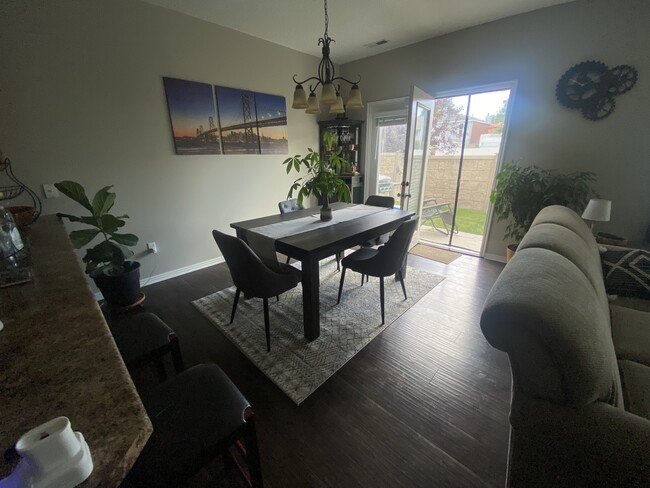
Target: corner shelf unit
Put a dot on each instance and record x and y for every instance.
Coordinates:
(347, 138)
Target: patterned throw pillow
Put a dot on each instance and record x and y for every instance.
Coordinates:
(627, 273)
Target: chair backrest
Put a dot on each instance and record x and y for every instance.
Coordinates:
(248, 271)
(380, 201)
(390, 257)
(288, 206)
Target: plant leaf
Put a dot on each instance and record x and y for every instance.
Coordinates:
(80, 238)
(125, 239)
(110, 223)
(103, 201)
(72, 218)
(74, 191)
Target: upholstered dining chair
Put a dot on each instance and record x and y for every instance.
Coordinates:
(253, 277)
(381, 262)
(379, 201)
(288, 206)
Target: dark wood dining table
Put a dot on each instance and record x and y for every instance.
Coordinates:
(310, 247)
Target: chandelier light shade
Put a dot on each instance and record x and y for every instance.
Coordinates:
(299, 98)
(326, 78)
(312, 104)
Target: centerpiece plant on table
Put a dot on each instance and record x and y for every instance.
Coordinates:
(323, 180)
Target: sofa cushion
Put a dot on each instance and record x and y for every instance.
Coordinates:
(545, 313)
(636, 387)
(631, 334)
(568, 243)
(627, 272)
(557, 214)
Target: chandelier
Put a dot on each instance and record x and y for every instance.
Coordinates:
(330, 89)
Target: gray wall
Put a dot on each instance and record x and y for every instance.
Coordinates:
(82, 98)
(536, 49)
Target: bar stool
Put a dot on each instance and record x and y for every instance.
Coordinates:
(196, 416)
(145, 339)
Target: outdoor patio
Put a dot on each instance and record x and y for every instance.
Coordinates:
(461, 239)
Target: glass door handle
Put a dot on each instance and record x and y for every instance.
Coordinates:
(407, 195)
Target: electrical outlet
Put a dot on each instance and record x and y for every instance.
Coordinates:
(152, 247)
(50, 191)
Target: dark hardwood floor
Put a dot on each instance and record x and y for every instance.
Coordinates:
(424, 404)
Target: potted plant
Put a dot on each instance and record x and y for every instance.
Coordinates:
(117, 278)
(522, 191)
(324, 182)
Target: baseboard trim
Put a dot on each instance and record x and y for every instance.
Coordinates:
(173, 273)
(495, 257)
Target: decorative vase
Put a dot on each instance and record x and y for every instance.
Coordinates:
(326, 213)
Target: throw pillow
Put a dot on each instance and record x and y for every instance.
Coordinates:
(627, 273)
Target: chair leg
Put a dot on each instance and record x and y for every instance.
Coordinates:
(288, 259)
(362, 280)
(177, 358)
(341, 285)
(381, 298)
(277, 298)
(338, 262)
(267, 326)
(401, 280)
(252, 451)
(234, 305)
(160, 369)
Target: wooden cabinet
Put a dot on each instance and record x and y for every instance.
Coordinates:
(347, 137)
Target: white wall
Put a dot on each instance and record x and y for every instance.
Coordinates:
(82, 98)
(536, 49)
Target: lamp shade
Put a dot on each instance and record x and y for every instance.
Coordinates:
(338, 107)
(313, 107)
(598, 210)
(354, 100)
(299, 98)
(328, 94)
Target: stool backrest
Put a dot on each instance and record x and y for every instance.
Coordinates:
(391, 255)
(380, 201)
(289, 206)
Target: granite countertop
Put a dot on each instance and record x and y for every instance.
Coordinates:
(57, 357)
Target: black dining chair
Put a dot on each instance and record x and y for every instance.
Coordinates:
(288, 206)
(253, 277)
(381, 262)
(379, 201)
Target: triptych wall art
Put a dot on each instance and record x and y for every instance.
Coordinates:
(208, 119)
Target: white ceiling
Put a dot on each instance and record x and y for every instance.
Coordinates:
(354, 24)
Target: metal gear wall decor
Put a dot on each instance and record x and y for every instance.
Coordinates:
(591, 87)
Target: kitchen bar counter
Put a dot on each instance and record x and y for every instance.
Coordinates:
(57, 357)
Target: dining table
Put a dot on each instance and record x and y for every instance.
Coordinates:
(302, 236)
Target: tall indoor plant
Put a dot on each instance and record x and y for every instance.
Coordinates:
(522, 191)
(324, 181)
(117, 278)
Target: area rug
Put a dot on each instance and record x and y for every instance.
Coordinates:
(430, 252)
(299, 367)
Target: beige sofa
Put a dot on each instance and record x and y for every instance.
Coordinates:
(580, 409)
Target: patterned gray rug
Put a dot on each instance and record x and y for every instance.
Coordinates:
(295, 365)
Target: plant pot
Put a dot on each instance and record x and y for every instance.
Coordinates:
(326, 213)
(120, 290)
(510, 251)
(23, 216)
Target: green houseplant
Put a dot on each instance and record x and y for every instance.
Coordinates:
(117, 278)
(522, 191)
(323, 181)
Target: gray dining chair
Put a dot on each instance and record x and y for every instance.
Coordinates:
(379, 201)
(381, 262)
(253, 277)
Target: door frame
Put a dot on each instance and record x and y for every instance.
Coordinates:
(373, 110)
(476, 90)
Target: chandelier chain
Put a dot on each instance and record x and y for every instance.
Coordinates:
(327, 19)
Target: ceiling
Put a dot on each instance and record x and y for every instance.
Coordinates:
(356, 25)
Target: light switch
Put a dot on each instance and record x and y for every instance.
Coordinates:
(50, 191)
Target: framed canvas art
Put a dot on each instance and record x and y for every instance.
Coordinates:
(237, 120)
(272, 123)
(193, 117)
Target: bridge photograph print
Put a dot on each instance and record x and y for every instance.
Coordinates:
(193, 117)
(237, 120)
(272, 123)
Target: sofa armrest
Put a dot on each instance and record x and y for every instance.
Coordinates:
(597, 445)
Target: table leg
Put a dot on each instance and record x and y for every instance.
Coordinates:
(310, 298)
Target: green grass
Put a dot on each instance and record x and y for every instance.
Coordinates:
(467, 220)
